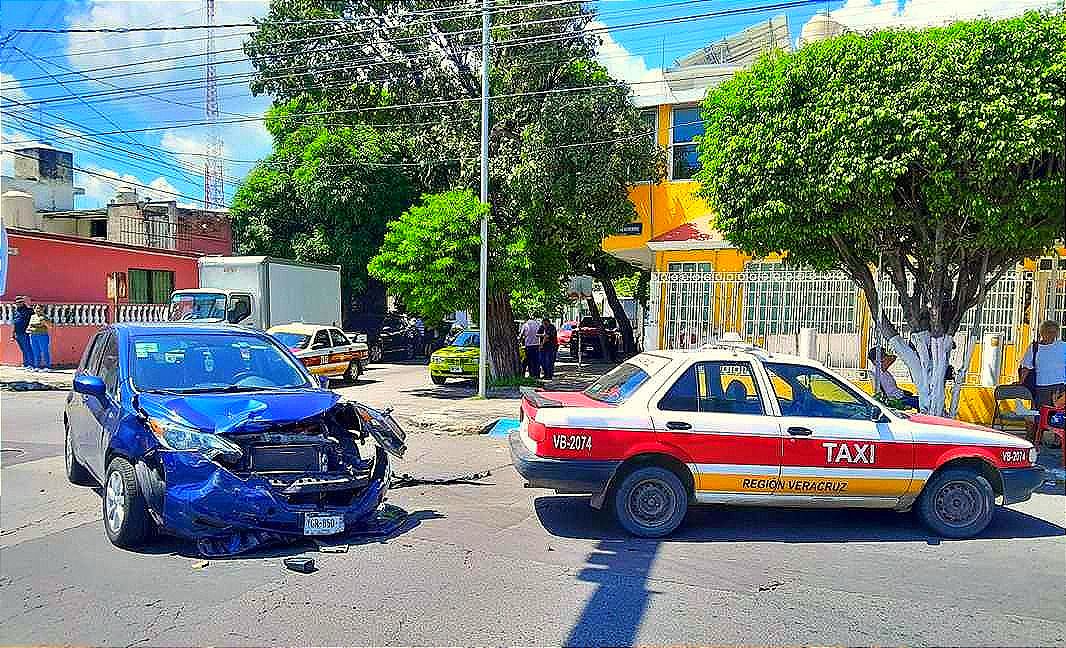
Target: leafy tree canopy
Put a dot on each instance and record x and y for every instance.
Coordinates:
(322, 195)
(939, 151)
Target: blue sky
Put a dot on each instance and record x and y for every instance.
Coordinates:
(167, 158)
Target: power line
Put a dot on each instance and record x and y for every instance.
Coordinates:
(406, 39)
(122, 181)
(373, 61)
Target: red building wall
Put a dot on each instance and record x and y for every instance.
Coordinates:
(57, 269)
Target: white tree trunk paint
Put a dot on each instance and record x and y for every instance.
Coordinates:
(927, 363)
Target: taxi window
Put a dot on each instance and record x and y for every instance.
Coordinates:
(618, 385)
(812, 392)
(321, 340)
(719, 387)
(339, 338)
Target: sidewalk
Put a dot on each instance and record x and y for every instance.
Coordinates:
(20, 379)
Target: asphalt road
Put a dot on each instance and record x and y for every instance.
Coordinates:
(499, 564)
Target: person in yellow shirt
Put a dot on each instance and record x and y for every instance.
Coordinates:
(40, 341)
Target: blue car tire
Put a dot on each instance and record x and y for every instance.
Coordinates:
(126, 518)
(76, 473)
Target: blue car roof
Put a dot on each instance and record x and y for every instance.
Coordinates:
(156, 328)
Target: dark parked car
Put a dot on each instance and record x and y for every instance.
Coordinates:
(217, 434)
(391, 335)
(589, 335)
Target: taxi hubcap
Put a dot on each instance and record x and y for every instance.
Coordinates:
(959, 504)
(651, 503)
(115, 496)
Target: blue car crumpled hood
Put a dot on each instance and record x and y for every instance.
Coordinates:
(231, 413)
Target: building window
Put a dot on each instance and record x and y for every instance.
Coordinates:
(686, 127)
(650, 118)
(98, 229)
(150, 286)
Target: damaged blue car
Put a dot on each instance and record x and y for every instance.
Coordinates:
(219, 435)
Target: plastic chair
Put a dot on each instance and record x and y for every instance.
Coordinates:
(1045, 426)
(1020, 416)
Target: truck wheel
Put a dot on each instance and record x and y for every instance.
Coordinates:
(957, 503)
(650, 502)
(76, 473)
(438, 380)
(352, 373)
(126, 518)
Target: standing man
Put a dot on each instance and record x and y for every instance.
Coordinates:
(549, 347)
(20, 322)
(420, 326)
(529, 336)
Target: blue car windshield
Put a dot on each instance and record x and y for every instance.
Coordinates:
(618, 385)
(206, 362)
(467, 339)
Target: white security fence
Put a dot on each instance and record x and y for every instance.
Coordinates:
(824, 315)
(92, 314)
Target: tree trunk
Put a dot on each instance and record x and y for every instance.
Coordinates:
(503, 343)
(624, 326)
(594, 312)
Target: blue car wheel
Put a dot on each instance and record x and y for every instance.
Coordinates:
(126, 518)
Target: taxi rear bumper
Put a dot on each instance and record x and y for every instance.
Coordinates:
(1019, 483)
(579, 476)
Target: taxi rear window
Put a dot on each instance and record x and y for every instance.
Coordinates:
(618, 385)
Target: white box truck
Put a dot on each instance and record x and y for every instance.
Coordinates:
(260, 292)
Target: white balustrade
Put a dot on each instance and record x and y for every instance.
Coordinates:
(64, 314)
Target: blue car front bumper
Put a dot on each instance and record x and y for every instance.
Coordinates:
(198, 499)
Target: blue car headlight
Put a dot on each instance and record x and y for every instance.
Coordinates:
(179, 437)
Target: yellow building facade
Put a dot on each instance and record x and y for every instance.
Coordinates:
(702, 288)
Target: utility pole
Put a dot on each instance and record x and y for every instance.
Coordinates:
(483, 351)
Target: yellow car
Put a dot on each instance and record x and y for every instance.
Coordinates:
(324, 350)
(458, 360)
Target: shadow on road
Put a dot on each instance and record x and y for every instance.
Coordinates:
(570, 517)
(444, 392)
(612, 616)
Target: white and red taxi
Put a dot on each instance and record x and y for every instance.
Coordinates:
(737, 425)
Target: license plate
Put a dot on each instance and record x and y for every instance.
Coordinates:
(317, 524)
(456, 369)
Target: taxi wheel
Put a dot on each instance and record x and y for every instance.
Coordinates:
(650, 502)
(126, 518)
(438, 380)
(352, 373)
(957, 503)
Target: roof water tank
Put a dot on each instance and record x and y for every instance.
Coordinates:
(18, 210)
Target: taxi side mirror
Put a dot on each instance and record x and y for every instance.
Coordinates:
(876, 415)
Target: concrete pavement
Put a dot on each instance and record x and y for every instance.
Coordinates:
(500, 564)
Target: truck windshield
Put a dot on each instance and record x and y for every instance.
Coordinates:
(211, 362)
(197, 306)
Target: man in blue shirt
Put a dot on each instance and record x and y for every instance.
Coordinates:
(20, 322)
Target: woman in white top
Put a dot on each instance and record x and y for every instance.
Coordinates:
(1050, 365)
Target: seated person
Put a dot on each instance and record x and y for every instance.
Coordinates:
(1057, 418)
(887, 382)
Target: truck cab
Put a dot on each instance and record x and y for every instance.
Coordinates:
(213, 305)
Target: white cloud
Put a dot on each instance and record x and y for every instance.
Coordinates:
(11, 89)
(102, 184)
(626, 66)
(863, 15)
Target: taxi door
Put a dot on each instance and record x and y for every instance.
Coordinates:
(341, 354)
(717, 414)
(833, 447)
(320, 348)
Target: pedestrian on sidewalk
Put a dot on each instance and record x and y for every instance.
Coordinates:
(549, 347)
(887, 382)
(20, 322)
(40, 341)
(529, 336)
(1046, 358)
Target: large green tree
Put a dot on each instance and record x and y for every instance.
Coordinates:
(323, 195)
(564, 139)
(938, 152)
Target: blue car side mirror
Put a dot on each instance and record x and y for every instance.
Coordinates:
(90, 386)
